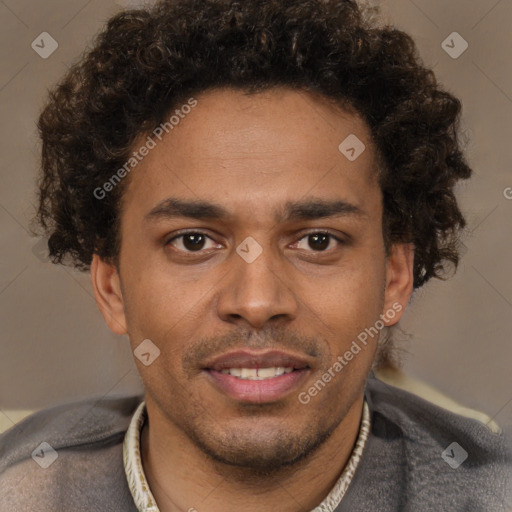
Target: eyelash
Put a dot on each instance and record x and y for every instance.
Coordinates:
(185, 233)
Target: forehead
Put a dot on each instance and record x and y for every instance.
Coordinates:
(257, 152)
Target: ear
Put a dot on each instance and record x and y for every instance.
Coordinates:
(399, 281)
(107, 291)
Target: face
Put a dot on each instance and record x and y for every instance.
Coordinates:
(252, 256)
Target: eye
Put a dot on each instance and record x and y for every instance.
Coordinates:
(191, 241)
(319, 241)
(196, 241)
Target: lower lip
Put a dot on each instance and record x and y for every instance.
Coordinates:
(258, 391)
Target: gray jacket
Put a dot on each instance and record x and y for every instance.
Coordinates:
(410, 462)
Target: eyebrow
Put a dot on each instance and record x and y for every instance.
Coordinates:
(309, 209)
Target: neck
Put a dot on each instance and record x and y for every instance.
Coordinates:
(182, 477)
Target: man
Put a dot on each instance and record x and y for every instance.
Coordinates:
(257, 188)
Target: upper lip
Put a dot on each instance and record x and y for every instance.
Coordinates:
(253, 359)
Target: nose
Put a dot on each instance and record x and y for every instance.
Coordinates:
(257, 292)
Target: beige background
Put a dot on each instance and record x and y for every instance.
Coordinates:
(54, 346)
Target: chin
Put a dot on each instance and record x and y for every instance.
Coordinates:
(259, 451)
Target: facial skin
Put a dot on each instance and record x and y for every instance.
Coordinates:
(251, 155)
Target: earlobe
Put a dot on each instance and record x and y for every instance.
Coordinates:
(107, 291)
(399, 280)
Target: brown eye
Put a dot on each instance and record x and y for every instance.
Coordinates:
(193, 241)
(190, 242)
(318, 242)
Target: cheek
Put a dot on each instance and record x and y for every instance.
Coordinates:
(347, 303)
(356, 284)
(166, 305)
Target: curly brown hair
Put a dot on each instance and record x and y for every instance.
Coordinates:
(147, 61)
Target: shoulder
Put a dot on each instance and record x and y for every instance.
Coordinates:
(67, 456)
(87, 423)
(418, 419)
(420, 456)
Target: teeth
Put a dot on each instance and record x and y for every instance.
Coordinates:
(249, 373)
(256, 374)
(267, 372)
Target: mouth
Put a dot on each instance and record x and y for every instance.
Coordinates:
(257, 373)
(257, 377)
